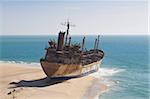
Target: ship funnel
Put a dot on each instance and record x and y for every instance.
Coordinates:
(83, 41)
(60, 42)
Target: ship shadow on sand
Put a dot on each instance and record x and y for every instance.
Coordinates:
(43, 82)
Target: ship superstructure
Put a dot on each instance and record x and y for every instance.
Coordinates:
(64, 59)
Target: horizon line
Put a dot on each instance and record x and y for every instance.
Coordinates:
(148, 34)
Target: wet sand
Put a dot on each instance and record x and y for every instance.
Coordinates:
(18, 81)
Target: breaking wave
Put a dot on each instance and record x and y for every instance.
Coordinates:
(105, 72)
(103, 75)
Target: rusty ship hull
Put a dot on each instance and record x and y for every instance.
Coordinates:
(65, 59)
(55, 70)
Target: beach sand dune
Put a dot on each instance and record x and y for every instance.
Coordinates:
(19, 81)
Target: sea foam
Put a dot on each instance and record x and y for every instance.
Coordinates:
(105, 72)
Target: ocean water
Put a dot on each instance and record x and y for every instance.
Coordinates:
(125, 67)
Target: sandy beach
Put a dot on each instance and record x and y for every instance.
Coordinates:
(18, 81)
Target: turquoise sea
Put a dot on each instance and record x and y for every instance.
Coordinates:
(125, 67)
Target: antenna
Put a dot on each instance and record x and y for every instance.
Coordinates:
(68, 24)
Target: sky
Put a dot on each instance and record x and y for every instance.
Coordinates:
(90, 17)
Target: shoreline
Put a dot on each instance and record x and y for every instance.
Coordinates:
(95, 90)
(29, 64)
(24, 81)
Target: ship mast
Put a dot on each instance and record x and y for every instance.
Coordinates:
(97, 42)
(83, 41)
(67, 32)
(69, 41)
(66, 39)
